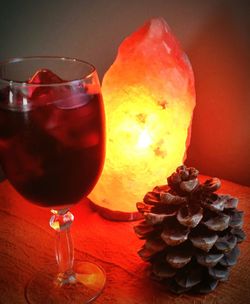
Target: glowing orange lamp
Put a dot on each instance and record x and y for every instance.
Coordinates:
(149, 97)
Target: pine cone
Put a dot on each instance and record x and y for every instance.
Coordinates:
(191, 233)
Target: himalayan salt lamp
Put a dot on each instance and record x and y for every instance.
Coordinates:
(149, 97)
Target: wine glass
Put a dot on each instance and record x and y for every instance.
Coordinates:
(52, 146)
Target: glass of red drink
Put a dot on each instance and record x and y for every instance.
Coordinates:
(52, 146)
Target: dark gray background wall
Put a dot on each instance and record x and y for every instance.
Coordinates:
(215, 35)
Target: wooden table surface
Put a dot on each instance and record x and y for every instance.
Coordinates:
(27, 244)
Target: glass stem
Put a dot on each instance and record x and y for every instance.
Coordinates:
(61, 221)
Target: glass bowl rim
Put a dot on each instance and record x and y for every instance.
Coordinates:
(63, 58)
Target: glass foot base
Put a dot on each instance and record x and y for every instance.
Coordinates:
(87, 285)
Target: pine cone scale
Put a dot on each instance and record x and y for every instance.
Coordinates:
(218, 223)
(205, 242)
(209, 260)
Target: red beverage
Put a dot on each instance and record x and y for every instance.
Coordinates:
(52, 141)
(52, 151)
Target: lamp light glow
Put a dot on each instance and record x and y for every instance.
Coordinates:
(149, 98)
